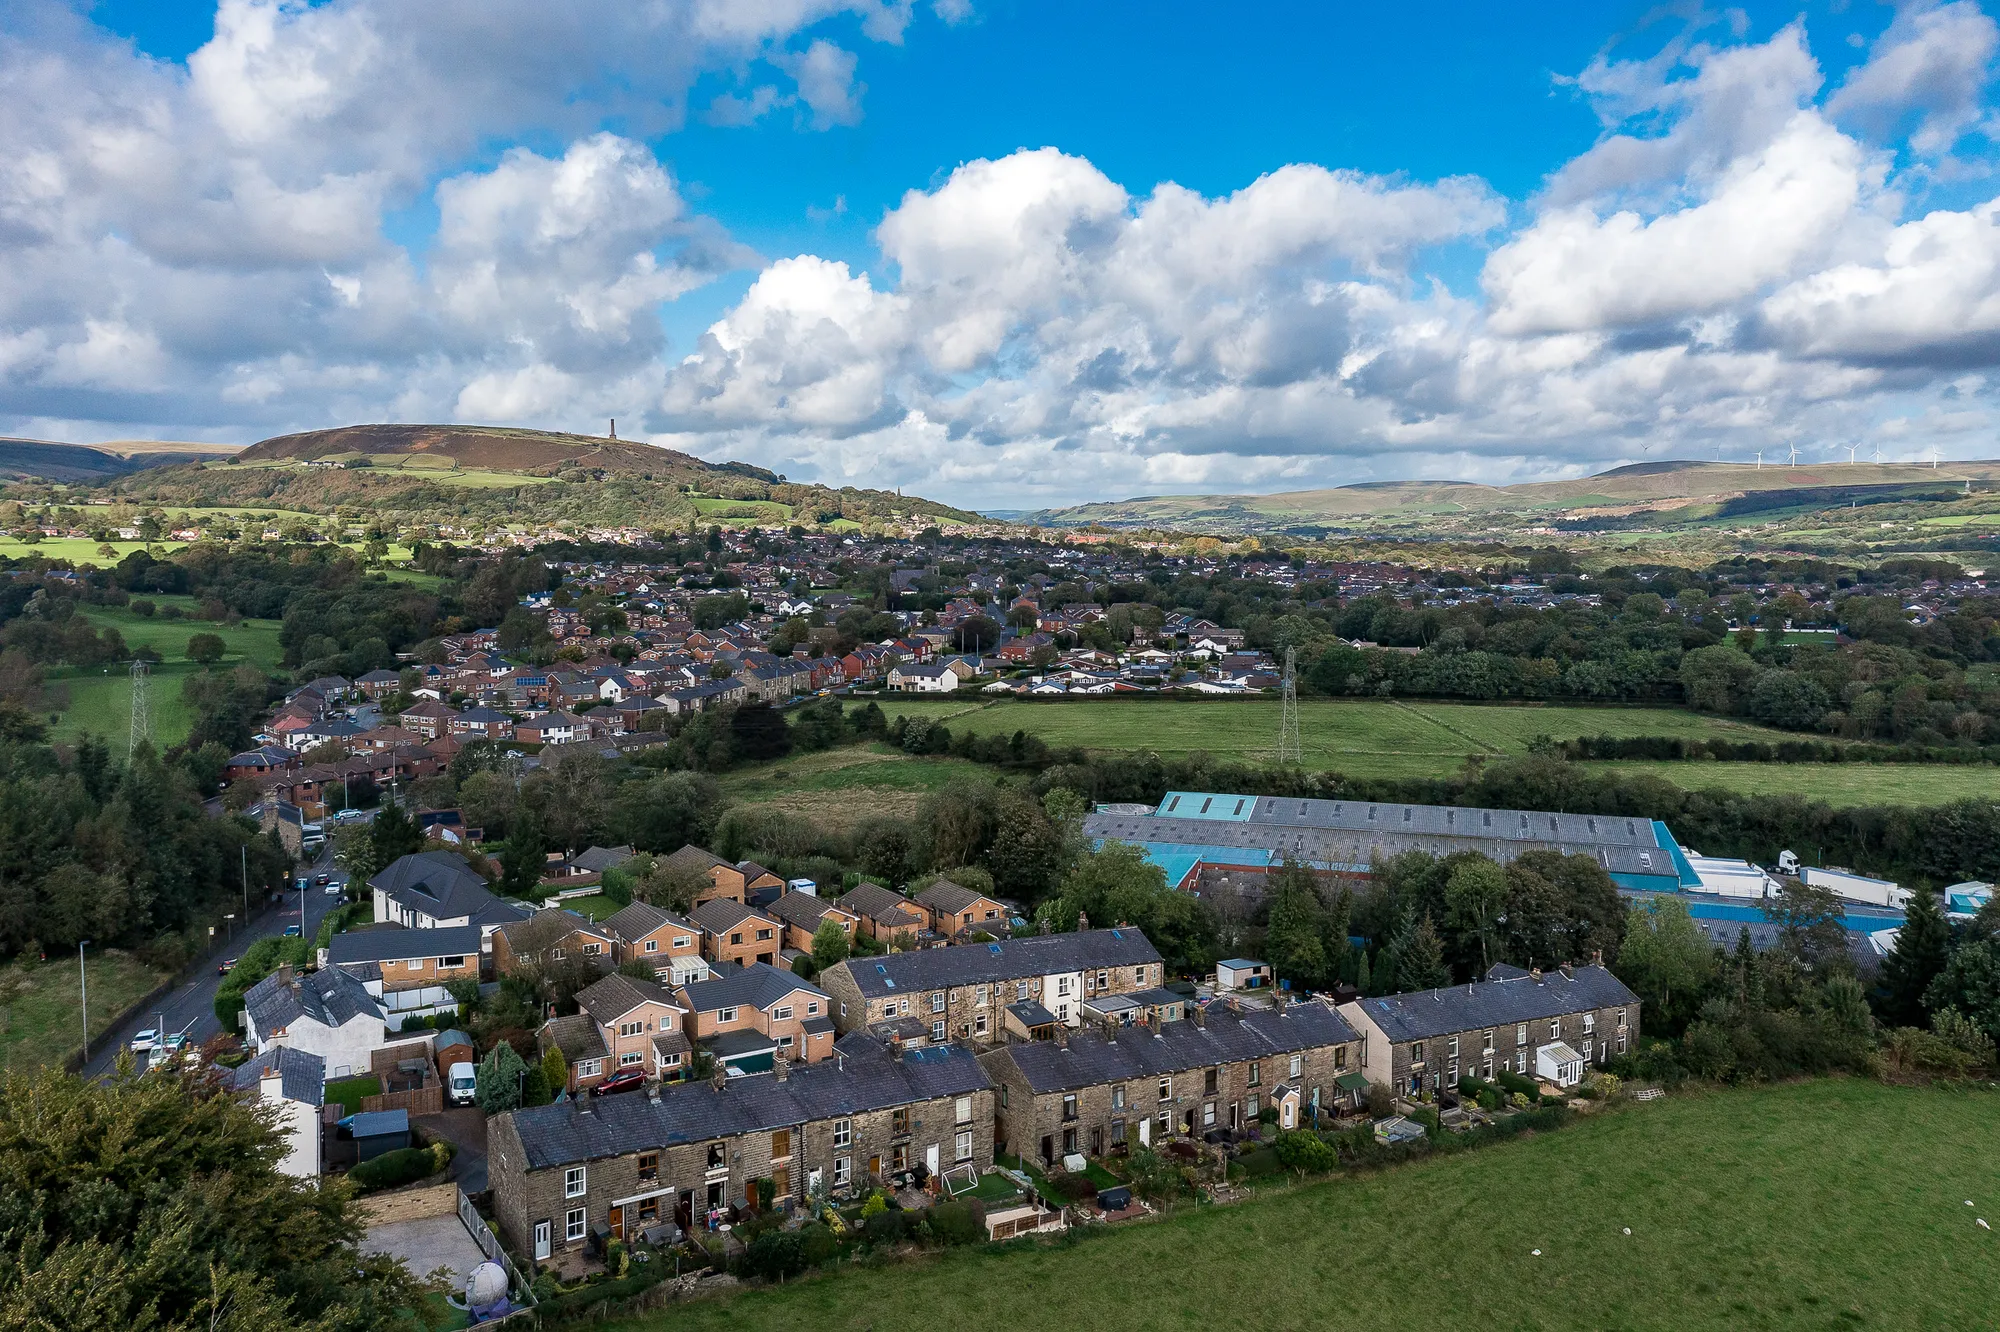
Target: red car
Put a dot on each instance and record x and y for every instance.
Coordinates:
(630, 1079)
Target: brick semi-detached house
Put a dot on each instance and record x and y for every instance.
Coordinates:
(624, 1023)
(962, 991)
(1547, 1025)
(1217, 1070)
(750, 1017)
(733, 932)
(679, 1152)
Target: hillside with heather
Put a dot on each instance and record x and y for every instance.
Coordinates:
(480, 476)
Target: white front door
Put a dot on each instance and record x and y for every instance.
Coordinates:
(1146, 1132)
(931, 1158)
(541, 1241)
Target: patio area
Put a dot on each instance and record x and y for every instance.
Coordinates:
(427, 1244)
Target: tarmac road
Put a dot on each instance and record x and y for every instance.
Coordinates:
(193, 1001)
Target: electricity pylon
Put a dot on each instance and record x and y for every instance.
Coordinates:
(142, 708)
(1290, 750)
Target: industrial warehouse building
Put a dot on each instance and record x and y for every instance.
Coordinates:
(1190, 831)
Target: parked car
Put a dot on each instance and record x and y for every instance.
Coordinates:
(630, 1079)
(291, 931)
(323, 880)
(224, 967)
(335, 889)
(145, 1040)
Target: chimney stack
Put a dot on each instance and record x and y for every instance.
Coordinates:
(782, 1068)
(1062, 1035)
(284, 973)
(1082, 922)
(1535, 975)
(1197, 1015)
(718, 1077)
(1568, 974)
(896, 1048)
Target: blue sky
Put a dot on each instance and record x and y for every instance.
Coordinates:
(1457, 264)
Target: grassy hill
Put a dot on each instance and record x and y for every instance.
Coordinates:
(1828, 1204)
(487, 475)
(1665, 492)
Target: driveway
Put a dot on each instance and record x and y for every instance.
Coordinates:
(465, 1129)
(193, 1000)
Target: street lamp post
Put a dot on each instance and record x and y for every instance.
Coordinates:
(245, 849)
(83, 984)
(230, 937)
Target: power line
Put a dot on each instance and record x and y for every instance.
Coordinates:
(1290, 750)
(142, 708)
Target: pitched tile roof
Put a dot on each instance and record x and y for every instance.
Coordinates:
(721, 915)
(641, 919)
(949, 898)
(576, 1036)
(863, 1079)
(758, 985)
(1090, 1059)
(609, 999)
(1495, 1003)
(801, 909)
(873, 901)
(972, 964)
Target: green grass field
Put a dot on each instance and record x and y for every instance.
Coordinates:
(825, 786)
(1363, 737)
(1366, 738)
(41, 1004)
(1832, 1204)
(100, 698)
(1835, 783)
(77, 550)
(255, 641)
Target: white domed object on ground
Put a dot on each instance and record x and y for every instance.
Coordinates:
(486, 1287)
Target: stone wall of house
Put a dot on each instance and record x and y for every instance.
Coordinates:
(1442, 1064)
(1099, 1118)
(734, 1164)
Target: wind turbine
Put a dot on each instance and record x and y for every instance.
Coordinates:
(1792, 459)
(1878, 453)
(1934, 457)
(1760, 460)
(1850, 453)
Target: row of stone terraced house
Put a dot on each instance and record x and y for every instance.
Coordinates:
(909, 1092)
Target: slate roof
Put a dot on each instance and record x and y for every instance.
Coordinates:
(330, 997)
(740, 1042)
(641, 918)
(864, 1078)
(1090, 1059)
(597, 859)
(301, 1074)
(609, 999)
(1010, 959)
(441, 885)
(1495, 1003)
(400, 945)
(874, 902)
(758, 985)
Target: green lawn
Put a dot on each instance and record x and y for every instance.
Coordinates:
(349, 1091)
(78, 550)
(41, 1006)
(1812, 1205)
